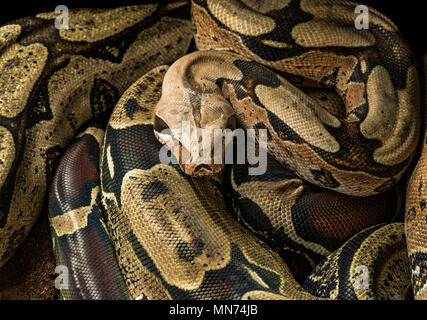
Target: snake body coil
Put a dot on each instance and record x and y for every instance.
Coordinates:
(86, 111)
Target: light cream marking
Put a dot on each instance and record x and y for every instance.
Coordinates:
(333, 25)
(333, 103)
(276, 44)
(266, 6)
(9, 34)
(139, 279)
(241, 18)
(416, 226)
(73, 220)
(253, 249)
(393, 116)
(174, 5)
(278, 194)
(110, 162)
(256, 277)
(20, 67)
(322, 32)
(160, 229)
(7, 153)
(375, 253)
(344, 10)
(301, 113)
(264, 295)
(145, 97)
(27, 198)
(318, 274)
(93, 25)
(363, 66)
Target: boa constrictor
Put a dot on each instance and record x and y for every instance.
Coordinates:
(346, 125)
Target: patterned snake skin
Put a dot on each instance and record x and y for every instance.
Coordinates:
(82, 114)
(416, 216)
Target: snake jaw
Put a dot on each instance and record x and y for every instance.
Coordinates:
(200, 170)
(195, 148)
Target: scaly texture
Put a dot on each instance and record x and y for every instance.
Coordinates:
(81, 240)
(62, 79)
(342, 113)
(416, 216)
(174, 238)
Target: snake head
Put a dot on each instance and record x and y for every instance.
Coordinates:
(197, 138)
(194, 119)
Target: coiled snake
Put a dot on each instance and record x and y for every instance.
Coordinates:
(84, 112)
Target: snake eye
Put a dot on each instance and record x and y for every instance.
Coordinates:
(232, 123)
(159, 124)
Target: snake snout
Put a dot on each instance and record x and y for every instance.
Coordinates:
(203, 169)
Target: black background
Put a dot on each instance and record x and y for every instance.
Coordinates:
(409, 16)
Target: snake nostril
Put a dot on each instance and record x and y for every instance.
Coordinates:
(203, 167)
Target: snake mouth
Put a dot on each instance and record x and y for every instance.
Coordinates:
(203, 169)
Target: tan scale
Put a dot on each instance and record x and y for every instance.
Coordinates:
(93, 25)
(281, 194)
(8, 34)
(140, 281)
(69, 98)
(20, 67)
(7, 152)
(158, 229)
(384, 255)
(416, 214)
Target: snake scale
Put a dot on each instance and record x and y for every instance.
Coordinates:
(86, 111)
